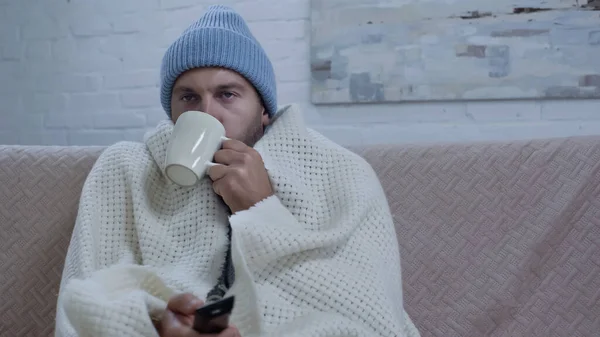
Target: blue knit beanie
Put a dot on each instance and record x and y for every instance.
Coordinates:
(220, 38)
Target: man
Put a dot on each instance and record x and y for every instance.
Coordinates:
(294, 226)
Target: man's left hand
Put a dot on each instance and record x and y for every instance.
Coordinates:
(241, 179)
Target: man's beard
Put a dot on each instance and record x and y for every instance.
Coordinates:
(254, 132)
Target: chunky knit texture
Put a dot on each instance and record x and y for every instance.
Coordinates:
(220, 38)
(319, 258)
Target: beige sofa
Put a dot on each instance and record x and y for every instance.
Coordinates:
(497, 239)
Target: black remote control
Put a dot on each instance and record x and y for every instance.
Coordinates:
(214, 318)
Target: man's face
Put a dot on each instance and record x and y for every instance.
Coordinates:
(225, 95)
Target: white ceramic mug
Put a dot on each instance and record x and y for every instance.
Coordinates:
(195, 139)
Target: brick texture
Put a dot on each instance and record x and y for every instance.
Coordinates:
(87, 73)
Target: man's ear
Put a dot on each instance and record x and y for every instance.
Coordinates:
(266, 119)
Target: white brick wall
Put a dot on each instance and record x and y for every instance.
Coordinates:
(86, 72)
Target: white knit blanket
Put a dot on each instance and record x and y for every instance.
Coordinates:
(319, 258)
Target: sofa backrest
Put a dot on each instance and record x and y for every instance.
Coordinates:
(497, 239)
(39, 195)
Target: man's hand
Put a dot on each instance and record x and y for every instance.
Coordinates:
(241, 179)
(178, 319)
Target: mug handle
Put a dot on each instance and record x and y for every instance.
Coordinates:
(210, 163)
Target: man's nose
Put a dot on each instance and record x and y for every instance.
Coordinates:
(211, 107)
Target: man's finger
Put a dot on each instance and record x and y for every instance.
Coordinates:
(229, 332)
(218, 186)
(172, 326)
(185, 304)
(235, 145)
(228, 157)
(217, 172)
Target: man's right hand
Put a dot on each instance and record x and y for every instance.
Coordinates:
(178, 319)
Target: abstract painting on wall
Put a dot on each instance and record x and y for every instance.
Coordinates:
(414, 50)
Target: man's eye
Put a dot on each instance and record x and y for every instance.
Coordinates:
(227, 95)
(188, 97)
